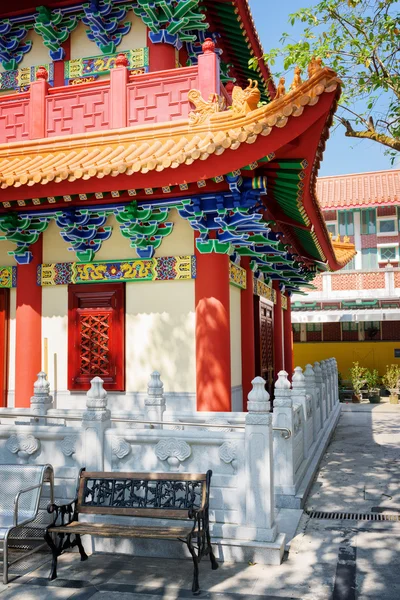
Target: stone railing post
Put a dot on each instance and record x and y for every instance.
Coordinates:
(300, 396)
(154, 404)
(260, 496)
(284, 459)
(327, 387)
(335, 387)
(312, 389)
(336, 373)
(209, 70)
(319, 381)
(96, 419)
(41, 400)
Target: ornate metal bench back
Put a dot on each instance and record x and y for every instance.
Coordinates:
(164, 495)
(13, 479)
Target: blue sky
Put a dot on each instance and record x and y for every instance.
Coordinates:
(342, 155)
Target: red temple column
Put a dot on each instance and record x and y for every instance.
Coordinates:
(213, 348)
(288, 337)
(161, 56)
(247, 322)
(28, 353)
(278, 330)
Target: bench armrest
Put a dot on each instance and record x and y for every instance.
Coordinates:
(66, 513)
(17, 497)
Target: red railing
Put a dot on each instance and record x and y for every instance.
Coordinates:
(121, 101)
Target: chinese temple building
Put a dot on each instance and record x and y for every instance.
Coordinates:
(157, 209)
(361, 305)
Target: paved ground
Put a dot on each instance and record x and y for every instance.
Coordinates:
(328, 559)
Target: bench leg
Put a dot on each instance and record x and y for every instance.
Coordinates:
(214, 564)
(195, 585)
(81, 549)
(5, 561)
(55, 552)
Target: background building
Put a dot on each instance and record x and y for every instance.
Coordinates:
(359, 306)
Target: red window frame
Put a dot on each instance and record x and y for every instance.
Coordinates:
(98, 304)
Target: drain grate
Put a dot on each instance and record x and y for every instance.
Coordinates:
(338, 516)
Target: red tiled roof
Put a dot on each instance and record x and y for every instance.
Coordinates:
(381, 188)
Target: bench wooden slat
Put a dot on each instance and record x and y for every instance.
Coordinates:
(111, 530)
(151, 513)
(145, 476)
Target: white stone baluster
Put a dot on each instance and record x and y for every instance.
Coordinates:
(41, 400)
(300, 396)
(96, 419)
(260, 496)
(319, 381)
(327, 390)
(284, 449)
(312, 389)
(154, 404)
(336, 371)
(335, 385)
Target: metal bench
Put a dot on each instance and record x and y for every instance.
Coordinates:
(181, 496)
(20, 491)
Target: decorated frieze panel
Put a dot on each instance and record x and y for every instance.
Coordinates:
(77, 68)
(155, 269)
(284, 301)
(264, 290)
(8, 277)
(237, 276)
(21, 79)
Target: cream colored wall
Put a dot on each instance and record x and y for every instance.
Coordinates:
(160, 335)
(55, 329)
(38, 55)
(181, 241)
(82, 47)
(236, 336)
(5, 259)
(11, 347)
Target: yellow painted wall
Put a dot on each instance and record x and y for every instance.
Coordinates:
(181, 241)
(5, 259)
(82, 47)
(160, 334)
(236, 336)
(373, 355)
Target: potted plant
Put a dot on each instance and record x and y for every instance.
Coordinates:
(391, 381)
(372, 385)
(357, 376)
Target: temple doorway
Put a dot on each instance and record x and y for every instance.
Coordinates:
(264, 340)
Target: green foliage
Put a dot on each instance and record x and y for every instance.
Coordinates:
(360, 40)
(372, 380)
(391, 379)
(358, 377)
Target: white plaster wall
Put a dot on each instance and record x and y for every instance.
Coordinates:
(38, 54)
(236, 336)
(82, 47)
(55, 329)
(181, 241)
(160, 334)
(11, 347)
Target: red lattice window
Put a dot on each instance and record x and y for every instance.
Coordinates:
(96, 340)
